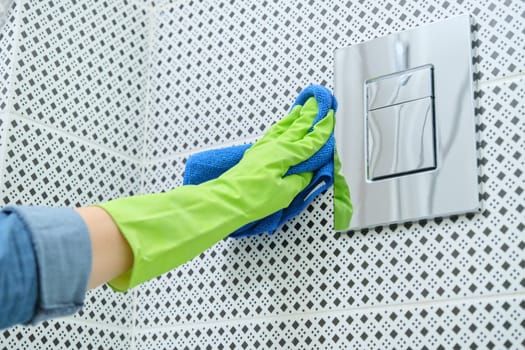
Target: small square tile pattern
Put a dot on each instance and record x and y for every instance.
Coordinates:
(226, 70)
(163, 175)
(85, 82)
(107, 307)
(81, 67)
(495, 324)
(7, 48)
(62, 334)
(193, 106)
(45, 167)
(305, 268)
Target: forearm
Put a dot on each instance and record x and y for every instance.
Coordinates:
(50, 256)
(111, 254)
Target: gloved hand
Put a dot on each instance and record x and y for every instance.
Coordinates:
(165, 230)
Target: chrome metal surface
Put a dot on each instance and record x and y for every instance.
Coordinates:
(401, 139)
(399, 87)
(450, 188)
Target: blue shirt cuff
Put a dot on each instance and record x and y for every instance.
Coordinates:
(62, 247)
(18, 272)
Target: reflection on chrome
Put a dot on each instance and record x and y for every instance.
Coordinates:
(406, 141)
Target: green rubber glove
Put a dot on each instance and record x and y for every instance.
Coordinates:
(165, 230)
(343, 209)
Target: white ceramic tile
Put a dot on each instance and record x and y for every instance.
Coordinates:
(105, 306)
(163, 175)
(497, 31)
(43, 167)
(212, 78)
(470, 324)
(7, 48)
(81, 67)
(57, 335)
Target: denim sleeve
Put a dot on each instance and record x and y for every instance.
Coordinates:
(18, 272)
(62, 249)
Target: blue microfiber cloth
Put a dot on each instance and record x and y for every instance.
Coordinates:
(208, 165)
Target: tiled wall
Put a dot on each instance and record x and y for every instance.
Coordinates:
(72, 96)
(106, 99)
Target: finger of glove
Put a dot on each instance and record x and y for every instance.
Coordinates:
(293, 184)
(283, 124)
(303, 123)
(280, 127)
(302, 149)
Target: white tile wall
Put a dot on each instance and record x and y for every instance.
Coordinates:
(81, 67)
(471, 324)
(47, 167)
(72, 95)
(162, 175)
(7, 38)
(58, 335)
(108, 99)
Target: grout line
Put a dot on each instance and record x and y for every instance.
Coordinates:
(3, 148)
(501, 80)
(151, 20)
(336, 312)
(200, 149)
(147, 110)
(74, 137)
(169, 6)
(142, 4)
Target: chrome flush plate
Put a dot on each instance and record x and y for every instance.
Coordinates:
(405, 125)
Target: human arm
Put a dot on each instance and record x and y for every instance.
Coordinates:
(111, 253)
(49, 257)
(84, 247)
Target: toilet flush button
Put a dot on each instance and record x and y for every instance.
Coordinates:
(400, 124)
(405, 130)
(401, 139)
(399, 87)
